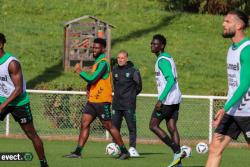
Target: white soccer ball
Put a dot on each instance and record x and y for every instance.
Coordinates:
(112, 149)
(188, 150)
(201, 148)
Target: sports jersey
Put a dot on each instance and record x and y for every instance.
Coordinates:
(99, 81)
(166, 79)
(238, 73)
(6, 84)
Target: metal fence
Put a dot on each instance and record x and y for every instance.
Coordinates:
(58, 113)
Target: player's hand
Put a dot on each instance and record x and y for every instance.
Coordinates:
(158, 105)
(217, 118)
(77, 68)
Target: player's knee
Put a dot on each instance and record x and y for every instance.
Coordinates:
(215, 149)
(108, 126)
(172, 130)
(85, 126)
(153, 127)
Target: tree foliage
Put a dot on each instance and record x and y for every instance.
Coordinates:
(207, 6)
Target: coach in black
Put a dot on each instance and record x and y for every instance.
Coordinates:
(127, 85)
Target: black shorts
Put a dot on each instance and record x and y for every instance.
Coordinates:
(233, 125)
(167, 112)
(21, 114)
(100, 110)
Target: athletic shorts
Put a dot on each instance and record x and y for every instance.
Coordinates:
(22, 114)
(100, 110)
(167, 112)
(232, 126)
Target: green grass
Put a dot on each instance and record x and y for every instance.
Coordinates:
(93, 155)
(34, 31)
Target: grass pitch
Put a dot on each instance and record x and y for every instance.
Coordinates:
(94, 156)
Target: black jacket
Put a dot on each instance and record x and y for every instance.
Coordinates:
(127, 84)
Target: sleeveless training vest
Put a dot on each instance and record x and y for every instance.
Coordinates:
(174, 96)
(242, 107)
(101, 91)
(7, 86)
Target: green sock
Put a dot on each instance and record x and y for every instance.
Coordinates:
(123, 149)
(43, 162)
(78, 150)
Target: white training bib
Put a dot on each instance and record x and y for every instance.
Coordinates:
(6, 84)
(242, 107)
(174, 96)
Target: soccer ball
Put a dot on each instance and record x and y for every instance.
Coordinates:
(188, 150)
(201, 148)
(112, 149)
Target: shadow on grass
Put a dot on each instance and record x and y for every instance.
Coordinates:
(151, 153)
(136, 34)
(141, 156)
(49, 74)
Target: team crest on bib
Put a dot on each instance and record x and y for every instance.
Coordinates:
(127, 75)
(116, 75)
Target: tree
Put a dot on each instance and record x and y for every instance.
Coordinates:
(206, 6)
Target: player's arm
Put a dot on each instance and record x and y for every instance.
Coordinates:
(166, 70)
(15, 72)
(138, 81)
(244, 79)
(95, 76)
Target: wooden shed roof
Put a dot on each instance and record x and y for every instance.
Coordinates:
(87, 17)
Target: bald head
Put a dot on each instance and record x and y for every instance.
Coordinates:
(122, 58)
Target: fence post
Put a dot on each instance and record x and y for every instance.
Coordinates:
(7, 125)
(211, 107)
